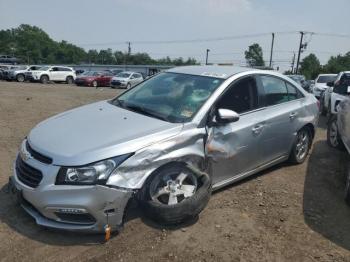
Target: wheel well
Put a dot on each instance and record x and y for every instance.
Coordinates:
(311, 129)
(45, 75)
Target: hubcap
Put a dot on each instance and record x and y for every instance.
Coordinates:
(174, 188)
(333, 134)
(302, 145)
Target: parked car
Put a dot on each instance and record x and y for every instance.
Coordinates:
(94, 78)
(52, 73)
(321, 83)
(167, 143)
(7, 59)
(300, 79)
(6, 70)
(126, 80)
(335, 93)
(338, 133)
(19, 73)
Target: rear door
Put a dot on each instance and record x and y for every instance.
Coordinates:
(283, 108)
(55, 74)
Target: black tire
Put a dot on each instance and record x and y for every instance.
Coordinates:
(333, 138)
(44, 79)
(186, 208)
(20, 78)
(347, 188)
(94, 84)
(300, 149)
(69, 80)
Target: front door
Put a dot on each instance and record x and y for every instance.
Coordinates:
(233, 147)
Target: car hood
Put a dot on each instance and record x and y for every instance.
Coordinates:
(97, 131)
(321, 85)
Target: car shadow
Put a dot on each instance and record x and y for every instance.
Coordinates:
(324, 208)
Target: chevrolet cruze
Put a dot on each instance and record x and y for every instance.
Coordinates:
(167, 143)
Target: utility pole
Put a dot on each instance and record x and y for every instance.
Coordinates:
(206, 59)
(272, 43)
(293, 61)
(129, 48)
(300, 50)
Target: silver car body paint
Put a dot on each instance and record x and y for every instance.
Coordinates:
(101, 130)
(343, 121)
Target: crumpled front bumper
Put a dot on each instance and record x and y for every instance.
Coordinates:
(67, 207)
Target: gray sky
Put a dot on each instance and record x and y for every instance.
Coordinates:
(89, 23)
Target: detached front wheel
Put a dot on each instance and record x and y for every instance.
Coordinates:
(175, 193)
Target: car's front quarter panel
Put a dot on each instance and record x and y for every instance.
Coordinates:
(185, 147)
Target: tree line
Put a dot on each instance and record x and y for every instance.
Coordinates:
(310, 66)
(34, 46)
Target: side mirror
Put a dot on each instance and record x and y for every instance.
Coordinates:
(226, 116)
(330, 84)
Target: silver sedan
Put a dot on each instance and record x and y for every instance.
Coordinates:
(167, 143)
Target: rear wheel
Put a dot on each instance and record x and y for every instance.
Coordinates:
(44, 79)
(174, 194)
(347, 188)
(69, 80)
(301, 147)
(20, 78)
(94, 83)
(333, 138)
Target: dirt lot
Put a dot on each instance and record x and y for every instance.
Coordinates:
(288, 213)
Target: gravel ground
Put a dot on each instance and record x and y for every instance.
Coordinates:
(287, 213)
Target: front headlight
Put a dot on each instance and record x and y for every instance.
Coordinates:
(92, 174)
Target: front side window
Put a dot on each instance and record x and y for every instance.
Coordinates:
(168, 96)
(275, 90)
(241, 97)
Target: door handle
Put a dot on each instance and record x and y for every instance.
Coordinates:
(257, 129)
(292, 115)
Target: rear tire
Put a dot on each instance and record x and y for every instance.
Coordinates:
(174, 194)
(20, 78)
(44, 79)
(333, 138)
(301, 146)
(94, 84)
(347, 188)
(69, 80)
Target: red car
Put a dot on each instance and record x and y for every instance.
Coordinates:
(93, 78)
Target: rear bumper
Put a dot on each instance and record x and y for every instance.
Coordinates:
(68, 207)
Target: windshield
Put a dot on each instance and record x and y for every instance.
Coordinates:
(44, 68)
(123, 75)
(326, 79)
(169, 96)
(296, 78)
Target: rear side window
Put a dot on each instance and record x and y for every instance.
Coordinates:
(275, 90)
(65, 69)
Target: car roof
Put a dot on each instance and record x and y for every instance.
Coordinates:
(223, 72)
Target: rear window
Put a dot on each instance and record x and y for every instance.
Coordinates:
(326, 79)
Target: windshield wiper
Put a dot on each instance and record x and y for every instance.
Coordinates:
(144, 111)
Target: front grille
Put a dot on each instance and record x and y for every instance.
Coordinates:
(36, 155)
(28, 175)
(85, 218)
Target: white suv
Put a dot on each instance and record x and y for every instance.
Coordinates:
(336, 92)
(53, 73)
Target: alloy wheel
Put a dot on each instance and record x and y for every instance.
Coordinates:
(173, 188)
(302, 146)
